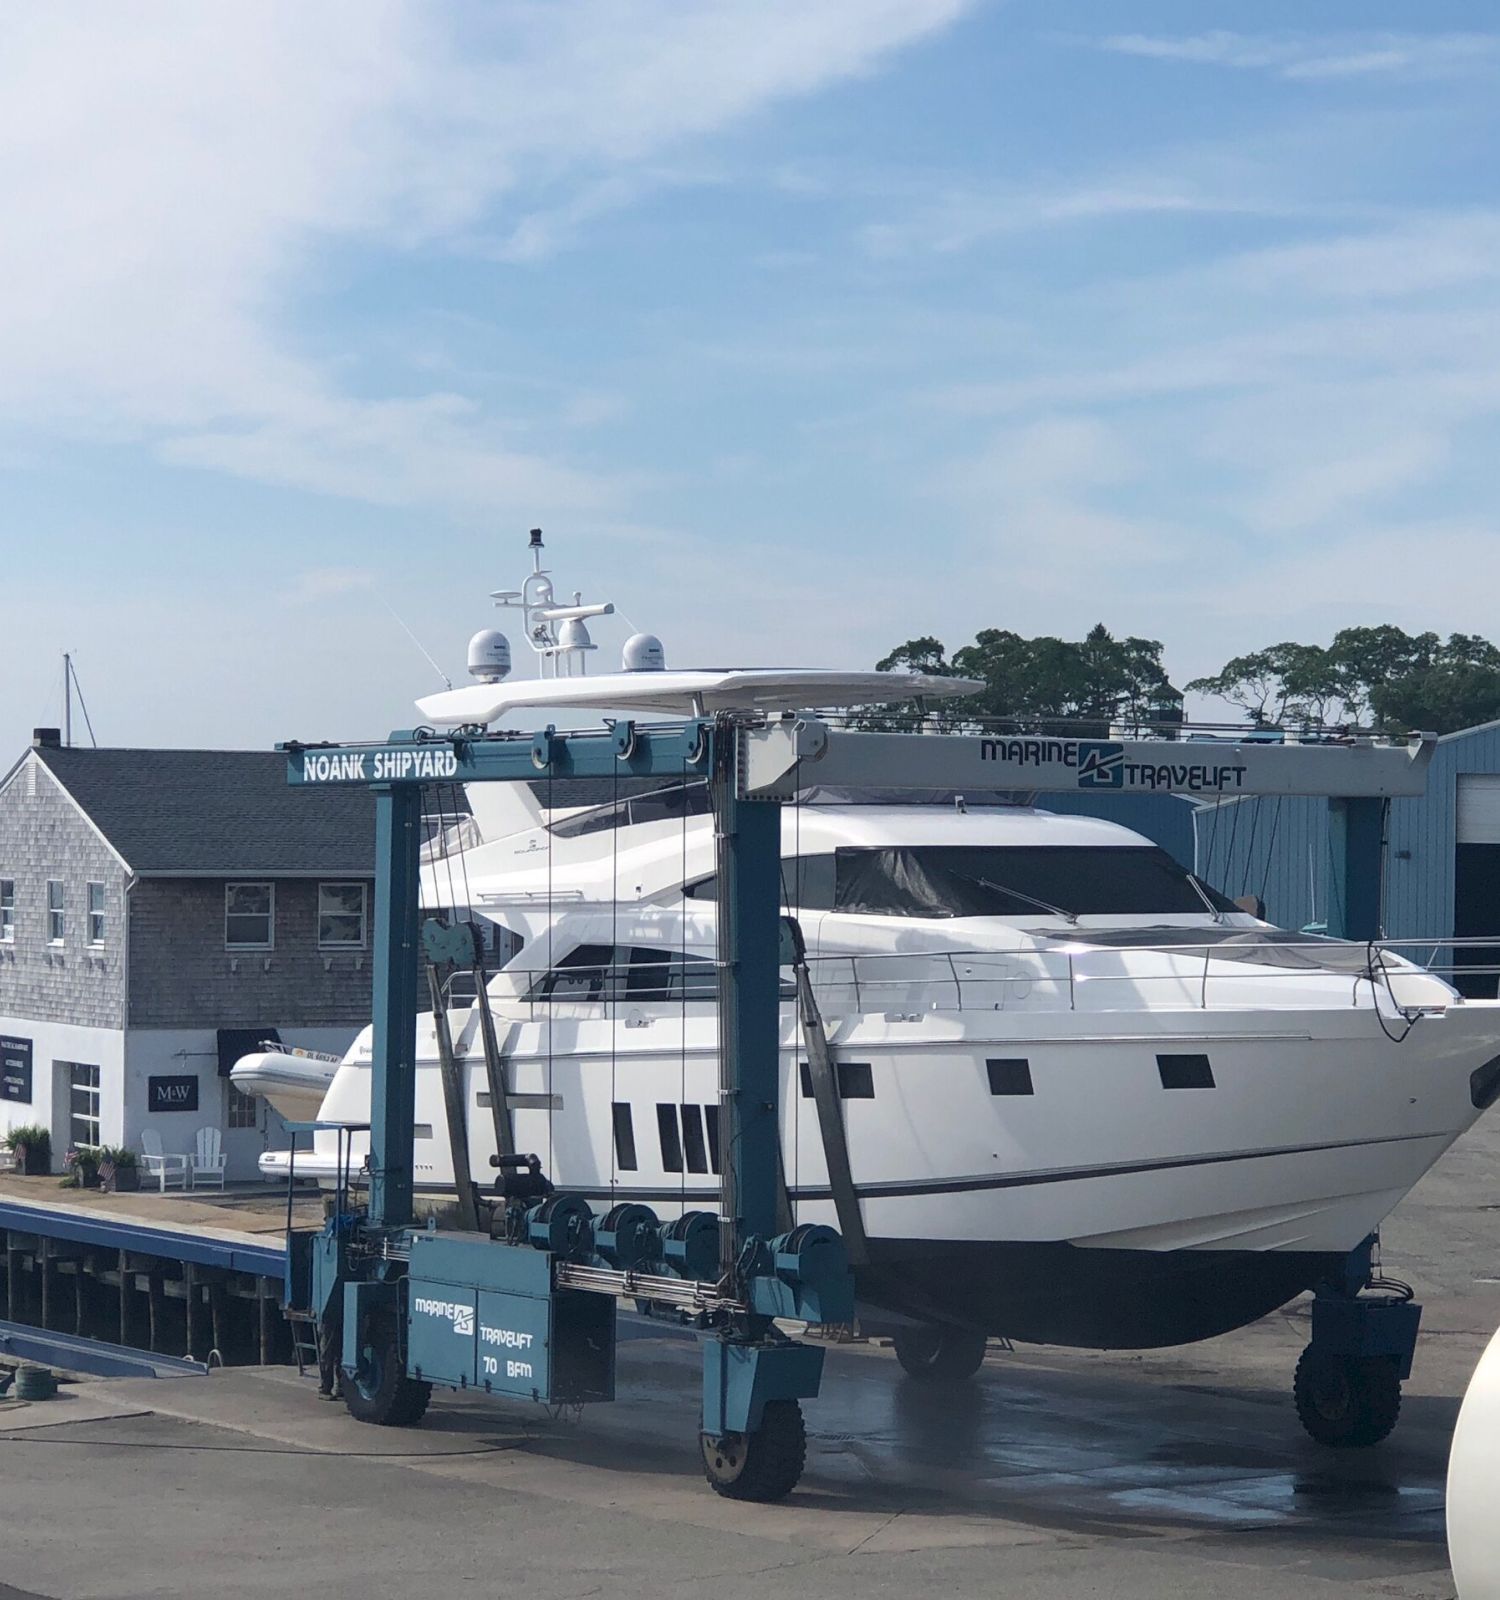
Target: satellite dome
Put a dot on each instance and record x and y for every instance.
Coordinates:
(573, 635)
(489, 655)
(643, 653)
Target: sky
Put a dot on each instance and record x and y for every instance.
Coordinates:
(802, 327)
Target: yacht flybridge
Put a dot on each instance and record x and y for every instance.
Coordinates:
(1085, 1099)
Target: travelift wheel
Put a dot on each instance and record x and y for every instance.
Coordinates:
(380, 1390)
(1346, 1401)
(759, 1466)
(940, 1352)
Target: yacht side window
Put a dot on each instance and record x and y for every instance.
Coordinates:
(807, 884)
(578, 976)
(628, 972)
(655, 974)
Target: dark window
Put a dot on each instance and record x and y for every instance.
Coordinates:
(578, 976)
(667, 975)
(624, 1136)
(671, 1144)
(711, 1121)
(1018, 881)
(692, 1139)
(807, 884)
(597, 972)
(1010, 1075)
(856, 1081)
(249, 916)
(1185, 1072)
(675, 801)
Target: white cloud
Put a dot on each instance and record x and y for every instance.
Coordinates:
(177, 177)
(1312, 56)
(960, 219)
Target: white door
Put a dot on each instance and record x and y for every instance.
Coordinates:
(1478, 808)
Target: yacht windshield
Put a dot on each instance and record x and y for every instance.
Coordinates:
(1017, 880)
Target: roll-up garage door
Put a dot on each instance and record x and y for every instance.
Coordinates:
(1479, 808)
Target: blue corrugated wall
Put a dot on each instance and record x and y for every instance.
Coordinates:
(1277, 847)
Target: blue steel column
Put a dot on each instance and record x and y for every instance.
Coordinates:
(393, 1080)
(749, 870)
(1356, 835)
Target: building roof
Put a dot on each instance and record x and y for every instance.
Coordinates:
(217, 812)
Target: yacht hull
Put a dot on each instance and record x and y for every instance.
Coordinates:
(1109, 1206)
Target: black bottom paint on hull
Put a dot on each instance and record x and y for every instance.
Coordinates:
(1058, 1293)
(1089, 1299)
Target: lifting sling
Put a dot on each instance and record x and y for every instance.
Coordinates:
(825, 1088)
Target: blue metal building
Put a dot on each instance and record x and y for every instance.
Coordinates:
(1442, 861)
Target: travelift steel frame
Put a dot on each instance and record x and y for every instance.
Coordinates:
(530, 1310)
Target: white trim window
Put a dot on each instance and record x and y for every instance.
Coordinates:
(7, 910)
(96, 913)
(57, 904)
(341, 916)
(249, 916)
(243, 1109)
(83, 1105)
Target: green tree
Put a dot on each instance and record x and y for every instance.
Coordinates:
(1380, 676)
(1089, 684)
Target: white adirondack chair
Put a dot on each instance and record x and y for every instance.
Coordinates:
(169, 1170)
(208, 1161)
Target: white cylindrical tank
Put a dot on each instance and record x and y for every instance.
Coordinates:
(1474, 1484)
(489, 655)
(643, 653)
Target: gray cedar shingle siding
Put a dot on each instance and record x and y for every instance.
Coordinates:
(181, 976)
(43, 836)
(185, 823)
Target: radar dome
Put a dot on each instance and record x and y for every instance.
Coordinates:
(643, 653)
(489, 655)
(573, 635)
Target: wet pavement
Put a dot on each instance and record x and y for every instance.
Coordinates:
(1053, 1473)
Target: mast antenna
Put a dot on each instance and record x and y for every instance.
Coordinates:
(71, 686)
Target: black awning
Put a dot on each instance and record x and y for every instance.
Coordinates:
(237, 1042)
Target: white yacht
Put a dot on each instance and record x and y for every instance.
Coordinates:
(1087, 1100)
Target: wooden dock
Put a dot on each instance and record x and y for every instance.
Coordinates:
(190, 1274)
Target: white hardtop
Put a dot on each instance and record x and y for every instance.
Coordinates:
(694, 692)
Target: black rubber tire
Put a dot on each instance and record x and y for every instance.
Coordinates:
(1346, 1402)
(380, 1392)
(947, 1354)
(761, 1466)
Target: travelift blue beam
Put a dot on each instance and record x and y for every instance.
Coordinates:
(749, 870)
(1356, 854)
(393, 1085)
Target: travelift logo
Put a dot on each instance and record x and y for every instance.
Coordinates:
(1101, 766)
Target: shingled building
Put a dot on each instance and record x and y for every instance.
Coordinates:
(161, 912)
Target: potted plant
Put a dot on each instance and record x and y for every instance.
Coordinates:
(81, 1165)
(119, 1171)
(32, 1145)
